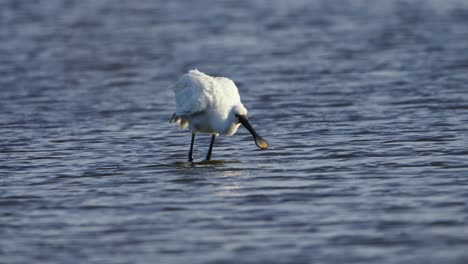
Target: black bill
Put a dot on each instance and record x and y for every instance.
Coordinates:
(259, 141)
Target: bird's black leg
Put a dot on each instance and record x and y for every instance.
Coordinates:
(190, 154)
(208, 156)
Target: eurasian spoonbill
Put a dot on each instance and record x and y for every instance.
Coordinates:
(211, 105)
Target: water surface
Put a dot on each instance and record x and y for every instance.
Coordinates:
(364, 104)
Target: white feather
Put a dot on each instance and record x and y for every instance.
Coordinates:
(207, 104)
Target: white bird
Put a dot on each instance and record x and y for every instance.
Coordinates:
(211, 105)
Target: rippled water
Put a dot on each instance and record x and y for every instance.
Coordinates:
(364, 104)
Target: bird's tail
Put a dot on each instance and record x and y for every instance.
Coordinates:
(183, 123)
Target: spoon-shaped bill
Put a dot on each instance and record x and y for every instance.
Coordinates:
(259, 141)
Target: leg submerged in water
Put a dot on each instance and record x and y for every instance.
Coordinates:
(190, 154)
(208, 156)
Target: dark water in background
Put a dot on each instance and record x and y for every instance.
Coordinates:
(364, 103)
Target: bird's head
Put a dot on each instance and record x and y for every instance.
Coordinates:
(238, 110)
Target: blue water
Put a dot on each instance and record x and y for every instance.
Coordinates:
(364, 104)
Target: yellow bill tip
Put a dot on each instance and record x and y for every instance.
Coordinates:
(261, 143)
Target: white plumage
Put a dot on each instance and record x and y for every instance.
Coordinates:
(211, 105)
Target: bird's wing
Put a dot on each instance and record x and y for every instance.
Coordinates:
(192, 95)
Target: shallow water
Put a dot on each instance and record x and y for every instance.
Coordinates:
(364, 104)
